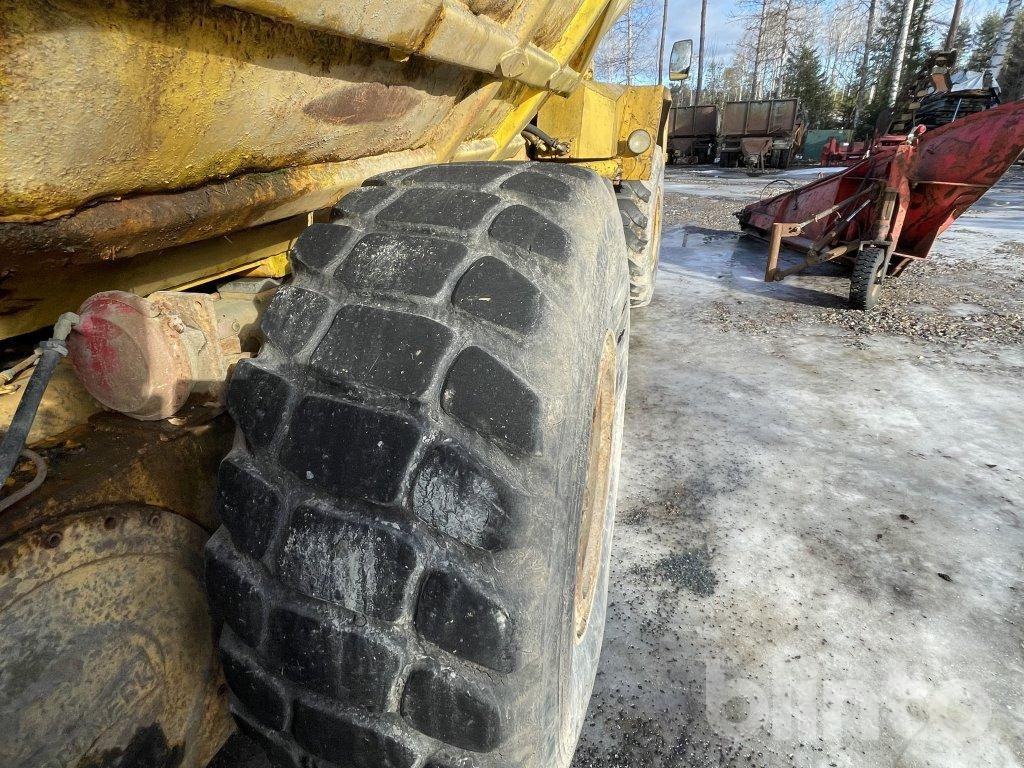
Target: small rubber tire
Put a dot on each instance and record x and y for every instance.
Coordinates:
(641, 206)
(413, 564)
(866, 281)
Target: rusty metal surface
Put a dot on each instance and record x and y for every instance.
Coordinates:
(106, 651)
(116, 460)
(65, 403)
(147, 97)
(106, 646)
(31, 298)
(122, 228)
(688, 122)
(916, 186)
(131, 357)
(132, 127)
(140, 98)
(145, 357)
(490, 37)
(766, 117)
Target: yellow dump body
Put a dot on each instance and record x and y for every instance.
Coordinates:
(154, 129)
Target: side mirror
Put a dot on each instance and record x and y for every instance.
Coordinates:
(680, 60)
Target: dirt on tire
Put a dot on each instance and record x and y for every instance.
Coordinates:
(402, 508)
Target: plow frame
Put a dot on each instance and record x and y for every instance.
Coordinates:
(885, 199)
(899, 198)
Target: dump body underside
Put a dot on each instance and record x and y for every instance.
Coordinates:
(128, 129)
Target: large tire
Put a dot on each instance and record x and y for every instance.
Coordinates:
(411, 569)
(640, 205)
(866, 281)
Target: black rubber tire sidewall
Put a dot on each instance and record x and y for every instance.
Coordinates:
(864, 285)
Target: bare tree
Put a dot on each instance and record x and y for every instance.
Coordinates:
(700, 51)
(629, 53)
(900, 52)
(864, 64)
(1005, 34)
(661, 42)
(762, 19)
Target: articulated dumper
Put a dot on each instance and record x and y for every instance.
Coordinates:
(315, 327)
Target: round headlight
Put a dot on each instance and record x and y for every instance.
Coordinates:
(639, 141)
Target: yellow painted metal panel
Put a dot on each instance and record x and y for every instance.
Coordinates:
(585, 120)
(34, 298)
(103, 100)
(129, 127)
(642, 107)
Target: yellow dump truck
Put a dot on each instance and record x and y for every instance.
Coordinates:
(315, 313)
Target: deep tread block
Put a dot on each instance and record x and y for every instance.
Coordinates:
(293, 316)
(633, 241)
(630, 210)
(382, 262)
(348, 449)
(346, 743)
(493, 291)
(361, 201)
(277, 755)
(332, 661)
(522, 228)
(363, 567)
(486, 396)
(639, 189)
(393, 350)
(453, 208)
(458, 618)
(320, 245)
(248, 506)
(390, 473)
(454, 495)
(639, 208)
(449, 708)
(260, 694)
(255, 399)
(234, 595)
(542, 185)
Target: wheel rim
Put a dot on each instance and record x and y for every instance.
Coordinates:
(117, 594)
(589, 553)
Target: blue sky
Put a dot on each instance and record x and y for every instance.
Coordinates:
(723, 29)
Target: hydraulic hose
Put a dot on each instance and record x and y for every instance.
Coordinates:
(50, 353)
(554, 145)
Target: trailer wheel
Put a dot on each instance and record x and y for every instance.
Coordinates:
(866, 282)
(640, 206)
(417, 513)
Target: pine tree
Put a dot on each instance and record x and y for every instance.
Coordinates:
(962, 41)
(886, 36)
(921, 38)
(1011, 80)
(805, 80)
(983, 40)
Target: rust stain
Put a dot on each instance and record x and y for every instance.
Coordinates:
(364, 103)
(128, 227)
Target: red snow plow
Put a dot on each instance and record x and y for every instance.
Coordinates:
(886, 210)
